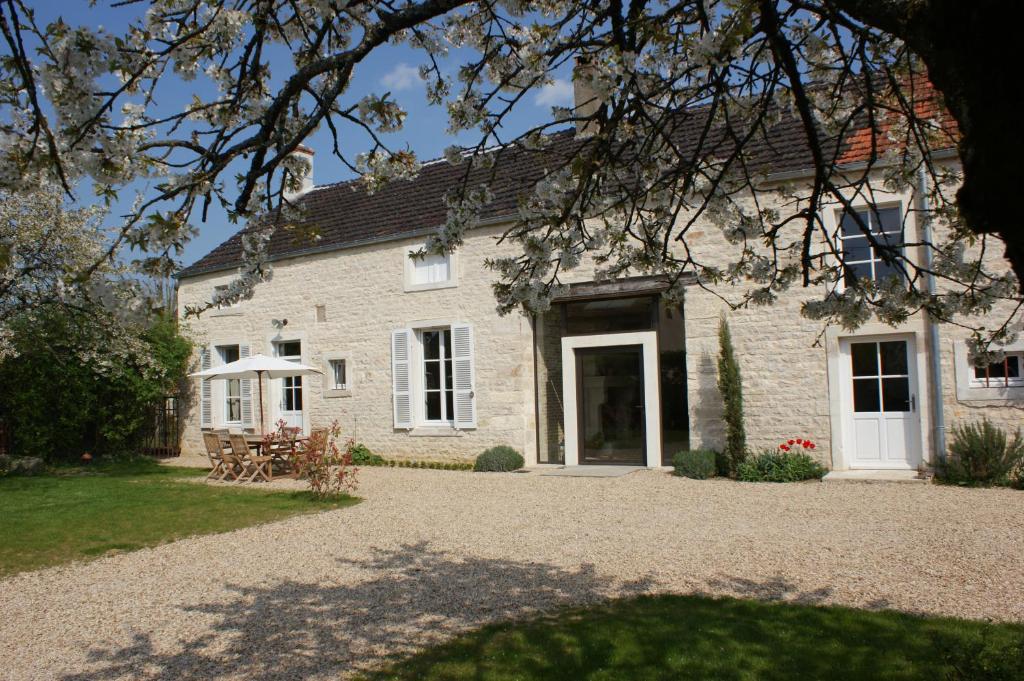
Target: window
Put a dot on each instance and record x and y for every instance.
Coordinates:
(438, 389)
(610, 316)
(431, 269)
(291, 386)
(1003, 374)
(337, 375)
(220, 291)
(861, 259)
(232, 387)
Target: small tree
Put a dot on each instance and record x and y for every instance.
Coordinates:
(730, 385)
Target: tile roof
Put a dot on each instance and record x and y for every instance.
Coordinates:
(345, 214)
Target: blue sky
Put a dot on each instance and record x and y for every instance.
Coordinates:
(392, 68)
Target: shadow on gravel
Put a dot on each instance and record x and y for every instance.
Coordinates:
(412, 597)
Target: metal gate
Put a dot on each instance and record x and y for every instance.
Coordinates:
(162, 438)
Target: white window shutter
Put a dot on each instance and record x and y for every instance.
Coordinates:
(401, 376)
(205, 391)
(463, 376)
(245, 389)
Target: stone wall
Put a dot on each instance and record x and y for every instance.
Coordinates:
(785, 359)
(362, 291)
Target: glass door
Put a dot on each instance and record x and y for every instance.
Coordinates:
(290, 407)
(610, 397)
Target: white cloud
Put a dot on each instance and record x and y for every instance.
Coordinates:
(556, 93)
(401, 77)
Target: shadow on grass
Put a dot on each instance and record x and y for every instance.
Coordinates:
(415, 597)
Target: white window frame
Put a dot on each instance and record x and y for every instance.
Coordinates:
(411, 282)
(420, 388)
(970, 388)
(1006, 382)
(225, 391)
(223, 306)
(870, 210)
(330, 389)
(409, 397)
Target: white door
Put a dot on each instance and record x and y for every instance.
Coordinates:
(290, 388)
(882, 424)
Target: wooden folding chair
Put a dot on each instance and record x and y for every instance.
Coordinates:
(216, 454)
(238, 457)
(254, 465)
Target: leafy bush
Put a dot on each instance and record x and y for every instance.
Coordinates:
(982, 454)
(500, 458)
(362, 456)
(789, 463)
(322, 462)
(730, 385)
(64, 406)
(698, 464)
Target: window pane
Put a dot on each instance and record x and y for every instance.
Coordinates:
(849, 224)
(865, 394)
(979, 373)
(888, 220)
(858, 271)
(997, 370)
(855, 249)
(431, 345)
(896, 394)
(432, 375)
(894, 358)
(448, 374)
(289, 349)
(609, 316)
(447, 336)
(234, 387)
(449, 404)
(234, 410)
(1013, 366)
(885, 271)
(228, 353)
(339, 371)
(433, 406)
(865, 359)
(298, 399)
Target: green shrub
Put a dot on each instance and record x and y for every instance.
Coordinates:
(780, 466)
(982, 454)
(730, 385)
(500, 458)
(362, 456)
(698, 464)
(63, 406)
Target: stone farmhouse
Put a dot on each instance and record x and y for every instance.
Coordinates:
(417, 363)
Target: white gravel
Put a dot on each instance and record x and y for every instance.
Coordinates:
(430, 553)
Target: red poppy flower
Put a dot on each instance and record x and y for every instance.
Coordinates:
(811, 445)
(784, 448)
(799, 441)
(789, 442)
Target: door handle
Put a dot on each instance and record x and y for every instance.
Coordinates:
(913, 403)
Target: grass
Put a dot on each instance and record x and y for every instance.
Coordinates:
(689, 637)
(84, 513)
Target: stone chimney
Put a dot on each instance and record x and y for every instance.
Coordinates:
(586, 102)
(306, 154)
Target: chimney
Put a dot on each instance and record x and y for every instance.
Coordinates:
(303, 153)
(587, 103)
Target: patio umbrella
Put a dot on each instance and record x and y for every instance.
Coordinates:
(258, 366)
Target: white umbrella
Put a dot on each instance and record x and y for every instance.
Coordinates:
(256, 367)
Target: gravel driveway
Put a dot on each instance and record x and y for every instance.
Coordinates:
(429, 553)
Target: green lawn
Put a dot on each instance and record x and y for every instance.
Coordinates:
(677, 637)
(84, 513)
